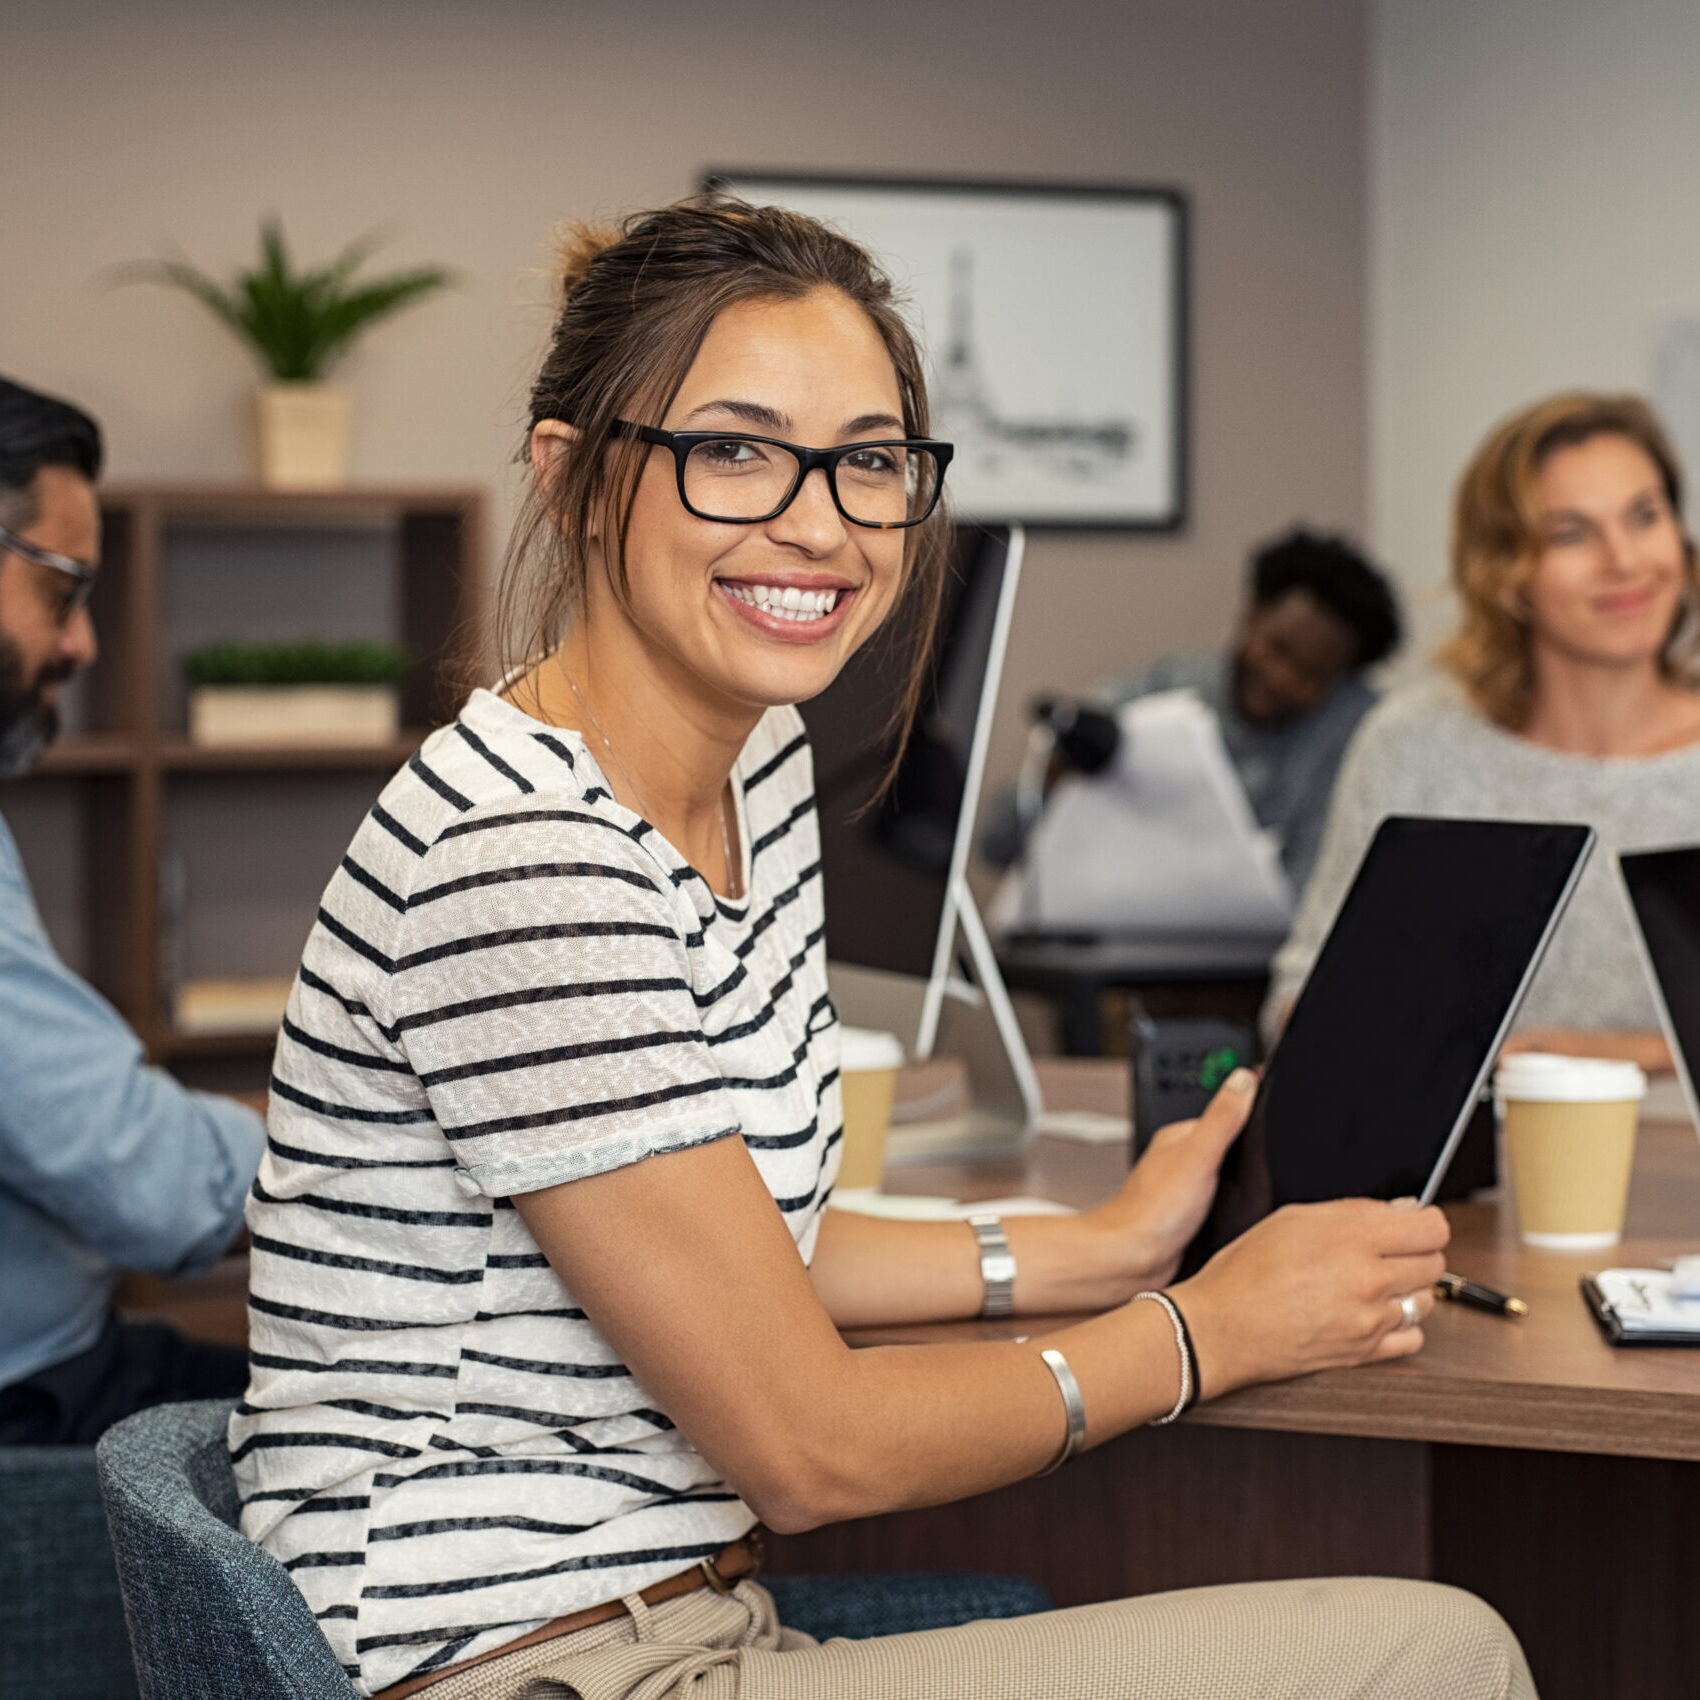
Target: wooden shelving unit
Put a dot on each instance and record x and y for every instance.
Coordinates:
(125, 760)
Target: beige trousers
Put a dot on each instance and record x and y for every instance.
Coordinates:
(1356, 1638)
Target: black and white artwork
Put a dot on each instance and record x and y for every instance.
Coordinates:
(1054, 322)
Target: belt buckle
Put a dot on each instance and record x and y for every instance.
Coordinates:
(754, 1545)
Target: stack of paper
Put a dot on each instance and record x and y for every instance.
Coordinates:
(1164, 842)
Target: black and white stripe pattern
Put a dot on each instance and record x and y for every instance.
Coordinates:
(513, 982)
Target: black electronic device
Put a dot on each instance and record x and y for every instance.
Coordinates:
(1664, 895)
(1380, 1067)
(1178, 1063)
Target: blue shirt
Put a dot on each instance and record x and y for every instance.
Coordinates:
(105, 1163)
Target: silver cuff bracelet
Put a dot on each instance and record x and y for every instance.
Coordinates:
(1073, 1405)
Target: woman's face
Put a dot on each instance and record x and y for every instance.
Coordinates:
(1610, 577)
(813, 372)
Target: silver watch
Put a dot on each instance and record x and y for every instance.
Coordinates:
(997, 1266)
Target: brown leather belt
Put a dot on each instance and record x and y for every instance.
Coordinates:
(722, 1573)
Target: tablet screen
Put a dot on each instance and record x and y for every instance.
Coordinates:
(1381, 1060)
(1664, 888)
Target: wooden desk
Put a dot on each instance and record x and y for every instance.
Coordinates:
(1528, 1461)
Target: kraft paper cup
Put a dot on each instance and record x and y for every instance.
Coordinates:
(1570, 1137)
(868, 1075)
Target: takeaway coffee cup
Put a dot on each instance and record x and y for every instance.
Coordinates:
(868, 1073)
(1570, 1137)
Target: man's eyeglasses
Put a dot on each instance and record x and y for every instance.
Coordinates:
(81, 574)
(736, 479)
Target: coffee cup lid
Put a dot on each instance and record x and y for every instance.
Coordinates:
(1541, 1077)
(866, 1049)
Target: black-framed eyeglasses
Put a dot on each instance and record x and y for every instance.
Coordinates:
(733, 478)
(81, 574)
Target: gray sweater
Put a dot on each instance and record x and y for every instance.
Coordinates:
(1425, 751)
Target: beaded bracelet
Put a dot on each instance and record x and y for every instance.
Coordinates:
(1189, 1358)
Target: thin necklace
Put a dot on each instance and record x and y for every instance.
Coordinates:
(734, 872)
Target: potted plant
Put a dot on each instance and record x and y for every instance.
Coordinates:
(299, 323)
(298, 693)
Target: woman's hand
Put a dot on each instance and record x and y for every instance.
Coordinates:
(1164, 1201)
(1648, 1049)
(1314, 1286)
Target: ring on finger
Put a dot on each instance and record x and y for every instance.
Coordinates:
(1409, 1315)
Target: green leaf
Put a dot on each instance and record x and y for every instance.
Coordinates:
(297, 322)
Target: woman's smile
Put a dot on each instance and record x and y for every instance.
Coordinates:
(788, 608)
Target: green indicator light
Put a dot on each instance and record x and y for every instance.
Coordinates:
(1217, 1066)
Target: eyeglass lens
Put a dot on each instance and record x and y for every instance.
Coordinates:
(877, 484)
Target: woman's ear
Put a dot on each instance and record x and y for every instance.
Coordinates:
(550, 440)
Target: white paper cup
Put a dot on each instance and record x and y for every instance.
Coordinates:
(1570, 1138)
(868, 1075)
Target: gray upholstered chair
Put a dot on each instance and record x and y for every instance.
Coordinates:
(61, 1620)
(212, 1615)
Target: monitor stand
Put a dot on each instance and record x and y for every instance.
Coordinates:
(961, 1010)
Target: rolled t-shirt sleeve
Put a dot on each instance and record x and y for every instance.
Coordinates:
(544, 996)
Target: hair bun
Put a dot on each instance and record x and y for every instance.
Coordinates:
(578, 242)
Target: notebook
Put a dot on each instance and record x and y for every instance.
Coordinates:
(1641, 1307)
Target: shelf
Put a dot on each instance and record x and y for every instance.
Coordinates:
(170, 1044)
(178, 755)
(95, 752)
(139, 790)
(118, 753)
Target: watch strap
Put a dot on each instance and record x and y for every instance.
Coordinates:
(997, 1266)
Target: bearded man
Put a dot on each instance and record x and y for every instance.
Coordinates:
(106, 1163)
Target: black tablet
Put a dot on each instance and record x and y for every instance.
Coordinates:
(1374, 1077)
(1664, 896)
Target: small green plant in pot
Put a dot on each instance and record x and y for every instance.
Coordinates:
(297, 693)
(298, 323)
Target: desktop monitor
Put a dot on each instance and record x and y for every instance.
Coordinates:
(896, 870)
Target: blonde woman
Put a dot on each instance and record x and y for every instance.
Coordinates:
(546, 1295)
(1568, 693)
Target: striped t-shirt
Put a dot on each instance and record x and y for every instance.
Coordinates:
(513, 982)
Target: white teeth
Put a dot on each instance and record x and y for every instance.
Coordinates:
(787, 602)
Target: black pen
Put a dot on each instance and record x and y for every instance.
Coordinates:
(1473, 1293)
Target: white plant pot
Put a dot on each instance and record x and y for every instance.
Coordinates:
(304, 434)
(293, 714)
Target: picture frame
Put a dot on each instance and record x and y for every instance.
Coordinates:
(1054, 319)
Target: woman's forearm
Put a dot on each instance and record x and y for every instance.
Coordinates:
(870, 1271)
(898, 1427)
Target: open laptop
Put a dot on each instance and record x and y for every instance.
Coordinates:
(1664, 897)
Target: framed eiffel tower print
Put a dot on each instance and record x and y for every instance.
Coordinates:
(1054, 320)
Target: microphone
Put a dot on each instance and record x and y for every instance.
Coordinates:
(1086, 738)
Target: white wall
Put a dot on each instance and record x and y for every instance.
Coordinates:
(1535, 213)
(469, 129)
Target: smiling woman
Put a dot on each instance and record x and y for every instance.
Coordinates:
(1572, 696)
(546, 1293)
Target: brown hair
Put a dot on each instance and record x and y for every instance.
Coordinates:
(1496, 543)
(636, 302)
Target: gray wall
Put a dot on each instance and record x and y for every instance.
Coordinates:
(467, 130)
(1533, 226)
